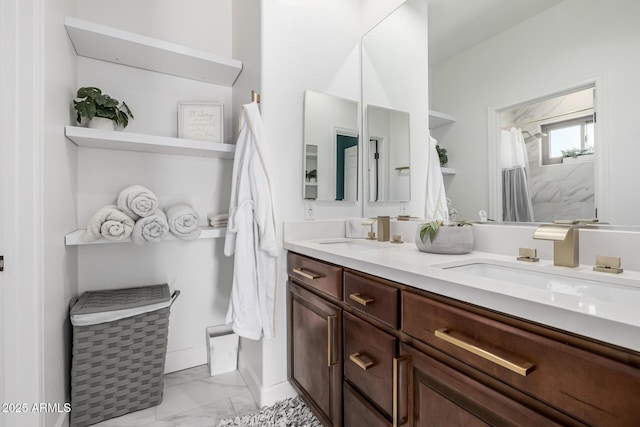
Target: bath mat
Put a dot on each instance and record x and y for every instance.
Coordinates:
(285, 413)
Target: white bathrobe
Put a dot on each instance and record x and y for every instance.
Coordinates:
(251, 234)
(436, 199)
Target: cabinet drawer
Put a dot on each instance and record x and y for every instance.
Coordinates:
(324, 277)
(358, 412)
(441, 396)
(372, 297)
(368, 361)
(593, 389)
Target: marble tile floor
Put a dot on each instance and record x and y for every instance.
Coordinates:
(193, 398)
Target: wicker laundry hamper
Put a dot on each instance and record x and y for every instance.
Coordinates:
(119, 349)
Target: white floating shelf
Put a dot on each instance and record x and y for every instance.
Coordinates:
(122, 47)
(448, 171)
(437, 119)
(126, 141)
(75, 238)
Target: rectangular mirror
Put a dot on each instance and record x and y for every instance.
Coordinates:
(395, 108)
(331, 144)
(522, 63)
(388, 160)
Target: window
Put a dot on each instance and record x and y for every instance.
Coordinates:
(569, 138)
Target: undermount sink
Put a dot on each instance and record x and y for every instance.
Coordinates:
(355, 244)
(583, 285)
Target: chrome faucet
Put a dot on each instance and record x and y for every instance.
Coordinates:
(565, 237)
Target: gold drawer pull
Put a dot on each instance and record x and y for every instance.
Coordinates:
(355, 358)
(306, 274)
(361, 300)
(521, 368)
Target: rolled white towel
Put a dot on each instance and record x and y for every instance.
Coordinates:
(152, 228)
(137, 201)
(110, 223)
(183, 221)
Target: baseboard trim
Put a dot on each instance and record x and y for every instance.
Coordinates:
(186, 358)
(280, 391)
(264, 396)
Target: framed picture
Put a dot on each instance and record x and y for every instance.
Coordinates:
(202, 121)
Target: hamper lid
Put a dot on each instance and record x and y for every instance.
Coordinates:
(102, 306)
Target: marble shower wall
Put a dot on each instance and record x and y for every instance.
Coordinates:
(562, 191)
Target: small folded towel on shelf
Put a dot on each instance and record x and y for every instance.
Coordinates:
(183, 221)
(110, 223)
(152, 228)
(137, 201)
(218, 220)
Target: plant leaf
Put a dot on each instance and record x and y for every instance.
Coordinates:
(88, 92)
(423, 231)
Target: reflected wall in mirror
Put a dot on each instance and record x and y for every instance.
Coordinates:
(330, 147)
(547, 151)
(525, 63)
(395, 89)
(389, 171)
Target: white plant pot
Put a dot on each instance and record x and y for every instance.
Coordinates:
(448, 240)
(102, 123)
(579, 159)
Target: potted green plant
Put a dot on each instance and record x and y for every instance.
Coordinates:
(442, 154)
(92, 104)
(452, 238)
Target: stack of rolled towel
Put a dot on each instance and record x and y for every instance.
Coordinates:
(218, 220)
(137, 214)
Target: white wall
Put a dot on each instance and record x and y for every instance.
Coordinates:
(60, 176)
(563, 47)
(198, 269)
(198, 24)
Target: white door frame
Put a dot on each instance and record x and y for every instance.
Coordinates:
(21, 283)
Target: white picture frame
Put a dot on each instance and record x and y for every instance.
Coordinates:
(201, 121)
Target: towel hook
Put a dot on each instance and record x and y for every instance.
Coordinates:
(255, 97)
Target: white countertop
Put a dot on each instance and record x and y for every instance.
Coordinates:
(608, 312)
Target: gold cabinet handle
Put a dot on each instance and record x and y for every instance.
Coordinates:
(361, 300)
(331, 321)
(306, 274)
(398, 420)
(521, 368)
(355, 358)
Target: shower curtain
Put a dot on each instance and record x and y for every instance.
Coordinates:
(516, 201)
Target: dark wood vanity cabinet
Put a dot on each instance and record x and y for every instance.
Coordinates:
(365, 351)
(315, 336)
